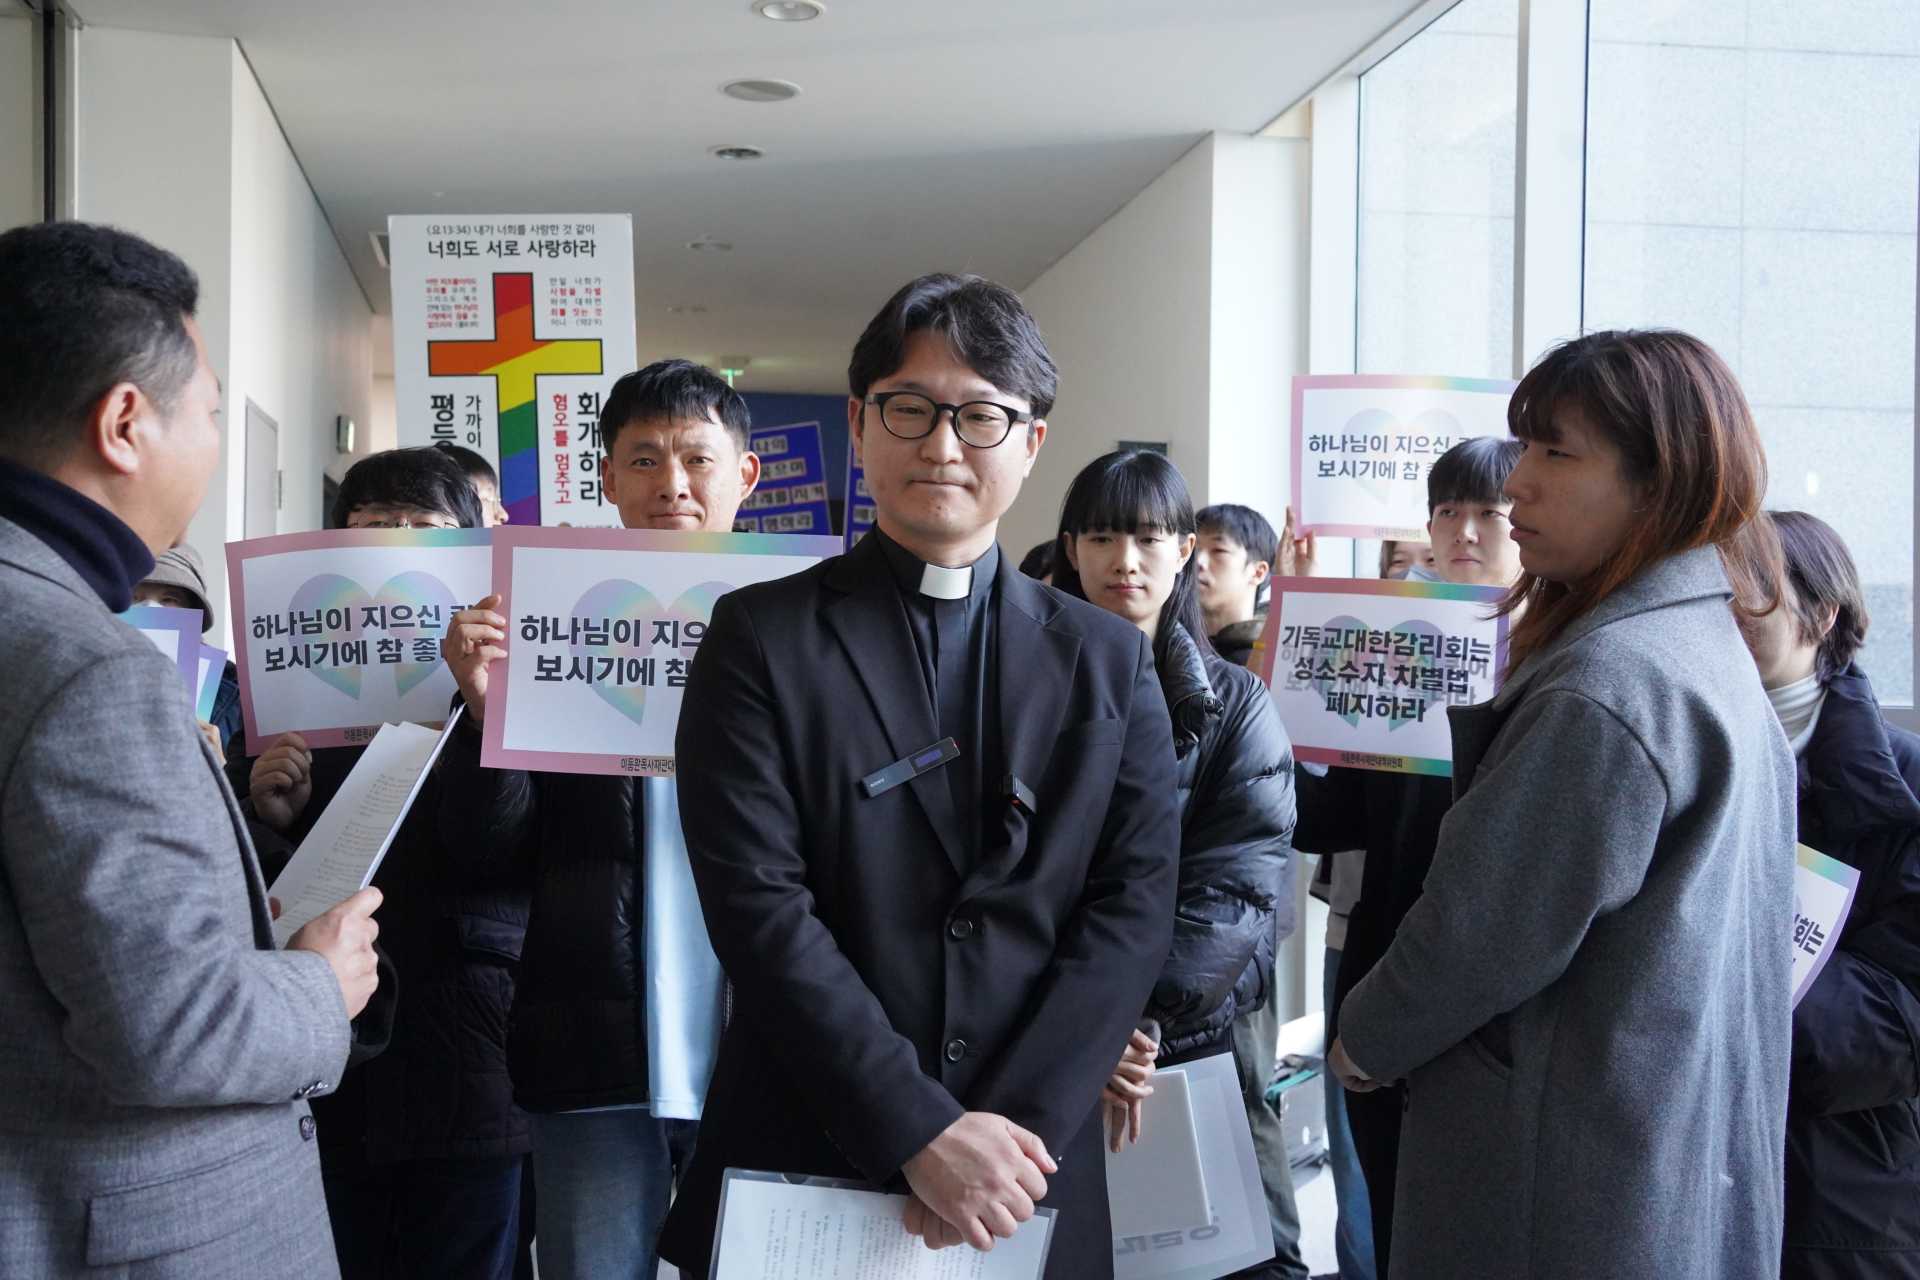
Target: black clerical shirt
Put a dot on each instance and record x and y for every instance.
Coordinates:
(963, 700)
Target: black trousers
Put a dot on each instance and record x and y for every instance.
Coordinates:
(425, 1219)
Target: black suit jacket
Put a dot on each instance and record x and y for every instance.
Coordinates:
(881, 986)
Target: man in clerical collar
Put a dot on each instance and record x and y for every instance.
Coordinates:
(926, 800)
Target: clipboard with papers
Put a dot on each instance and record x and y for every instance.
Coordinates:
(776, 1226)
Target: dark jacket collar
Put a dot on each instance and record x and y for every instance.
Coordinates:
(1682, 577)
(96, 544)
(1191, 703)
(1849, 778)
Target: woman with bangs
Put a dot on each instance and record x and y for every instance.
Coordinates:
(1590, 1001)
(1127, 536)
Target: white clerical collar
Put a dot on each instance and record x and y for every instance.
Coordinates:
(943, 583)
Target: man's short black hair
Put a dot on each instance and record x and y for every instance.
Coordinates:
(474, 464)
(82, 309)
(989, 329)
(673, 389)
(425, 478)
(1245, 526)
(1473, 471)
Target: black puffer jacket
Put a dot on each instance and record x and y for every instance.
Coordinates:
(577, 1036)
(440, 1088)
(1853, 1114)
(1234, 774)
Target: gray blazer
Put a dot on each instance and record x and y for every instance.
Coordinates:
(1589, 1002)
(157, 1051)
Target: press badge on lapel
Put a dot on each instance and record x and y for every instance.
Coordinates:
(925, 760)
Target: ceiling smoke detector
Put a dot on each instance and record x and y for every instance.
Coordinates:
(736, 151)
(789, 10)
(761, 90)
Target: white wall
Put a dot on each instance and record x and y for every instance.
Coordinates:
(177, 143)
(19, 119)
(1126, 315)
(1181, 318)
(165, 174)
(1259, 318)
(302, 329)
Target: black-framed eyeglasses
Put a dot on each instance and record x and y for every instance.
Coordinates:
(981, 424)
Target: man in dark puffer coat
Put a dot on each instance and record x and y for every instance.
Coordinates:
(1853, 1114)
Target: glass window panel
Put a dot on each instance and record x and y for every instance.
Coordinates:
(1752, 170)
(1437, 137)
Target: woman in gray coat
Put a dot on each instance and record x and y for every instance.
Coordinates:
(1589, 1003)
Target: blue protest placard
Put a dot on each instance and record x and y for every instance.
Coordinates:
(859, 517)
(792, 495)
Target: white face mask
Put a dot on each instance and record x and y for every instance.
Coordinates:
(1418, 572)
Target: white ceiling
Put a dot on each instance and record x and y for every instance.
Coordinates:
(984, 135)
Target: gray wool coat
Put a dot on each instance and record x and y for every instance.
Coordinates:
(1589, 1003)
(155, 1050)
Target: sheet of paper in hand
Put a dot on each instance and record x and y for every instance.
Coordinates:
(1362, 671)
(1823, 890)
(176, 634)
(777, 1228)
(338, 633)
(1158, 1183)
(347, 842)
(1364, 443)
(212, 665)
(1240, 1233)
(603, 629)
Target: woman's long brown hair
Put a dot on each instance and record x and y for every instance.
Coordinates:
(1689, 450)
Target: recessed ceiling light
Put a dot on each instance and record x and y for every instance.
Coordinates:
(707, 244)
(761, 90)
(789, 10)
(686, 309)
(736, 151)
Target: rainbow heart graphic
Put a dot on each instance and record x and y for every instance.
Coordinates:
(617, 599)
(412, 589)
(1381, 422)
(1341, 655)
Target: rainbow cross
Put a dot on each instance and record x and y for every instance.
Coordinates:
(515, 359)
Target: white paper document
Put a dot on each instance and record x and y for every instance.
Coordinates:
(774, 1229)
(1158, 1183)
(344, 848)
(1241, 1232)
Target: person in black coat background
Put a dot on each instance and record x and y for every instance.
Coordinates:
(1395, 817)
(1853, 1119)
(421, 1147)
(1127, 538)
(926, 801)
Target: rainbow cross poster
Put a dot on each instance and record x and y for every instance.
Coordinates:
(507, 332)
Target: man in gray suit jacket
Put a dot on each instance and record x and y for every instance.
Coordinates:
(158, 1051)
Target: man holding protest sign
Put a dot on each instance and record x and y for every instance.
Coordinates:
(941, 915)
(1395, 817)
(159, 1051)
(675, 436)
(421, 1147)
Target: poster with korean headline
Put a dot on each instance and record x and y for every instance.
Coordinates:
(792, 494)
(508, 330)
(1363, 445)
(1363, 671)
(337, 633)
(603, 629)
